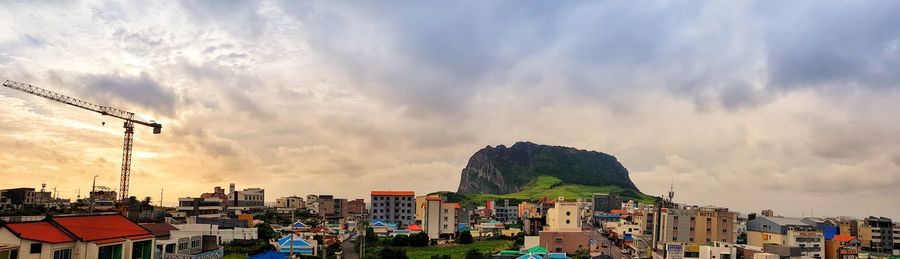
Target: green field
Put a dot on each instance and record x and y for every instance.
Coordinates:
(458, 251)
(553, 188)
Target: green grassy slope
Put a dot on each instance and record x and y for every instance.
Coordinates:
(553, 187)
(457, 251)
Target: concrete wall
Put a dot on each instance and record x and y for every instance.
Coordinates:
(568, 242)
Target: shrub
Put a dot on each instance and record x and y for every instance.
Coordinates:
(400, 240)
(419, 240)
(393, 253)
(465, 237)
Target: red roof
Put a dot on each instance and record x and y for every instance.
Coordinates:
(393, 193)
(102, 228)
(454, 204)
(617, 211)
(842, 238)
(415, 227)
(39, 231)
(433, 198)
(159, 229)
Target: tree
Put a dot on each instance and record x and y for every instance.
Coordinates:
(419, 239)
(265, 231)
(371, 238)
(465, 237)
(400, 240)
(440, 257)
(475, 254)
(394, 253)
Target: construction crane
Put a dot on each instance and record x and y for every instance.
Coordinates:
(129, 118)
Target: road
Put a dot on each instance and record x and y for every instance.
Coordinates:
(349, 252)
(612, 249)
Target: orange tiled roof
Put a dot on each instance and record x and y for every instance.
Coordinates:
(102, 228)
(393, 193)
(39, 231)
(433, 198)
(454, 204)
(842, 238)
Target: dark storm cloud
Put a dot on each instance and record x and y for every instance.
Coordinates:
(435, 56)
(834, 44)
(141, 90)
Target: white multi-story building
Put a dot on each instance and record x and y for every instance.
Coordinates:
(202, 207)
(438, 217)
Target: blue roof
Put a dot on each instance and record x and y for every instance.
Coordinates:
(557, 256)
(268, 255)
(530, 256)
(299, 244)
(378, 223)
(299, 224)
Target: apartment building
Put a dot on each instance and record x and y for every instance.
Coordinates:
(896, 238)
(17, 198)
(357, 206)
(293, 202)
(248, 198)
(506, 213)
(876, 234)
(218, 192)
(331, 208)
(393, 207)
(697, 225)
(312, 204)
(438, 217)
(788, 232)
(604, 202)
(564, 232)
(202, 207)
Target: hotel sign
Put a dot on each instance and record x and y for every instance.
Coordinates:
(674, 251)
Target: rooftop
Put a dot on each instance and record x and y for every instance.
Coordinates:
(39, 231)
(393, 193)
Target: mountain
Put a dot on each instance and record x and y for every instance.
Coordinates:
(527, 167)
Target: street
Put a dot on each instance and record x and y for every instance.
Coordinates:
(611, 250)
(348, 250)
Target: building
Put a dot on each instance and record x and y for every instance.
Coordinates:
(293, 202)
(767, 213)
(18, 198)
(357, 207)
(718, 250)
(396, 207)
(788, 232)
(896, 238)
(183, 247)
(876, 235)
(312, 204)
(331, 208)
(203, 207)
(439, 217)
(80, 237)
(248, 198)
(841, 247)
(223, 235)
(506, 213)
(847, 226)
(564, 232)
(218, 192)
(696, 225)
(604, 202)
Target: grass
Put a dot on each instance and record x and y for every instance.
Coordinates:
(234, 256)
(457, 251)
(553, 188)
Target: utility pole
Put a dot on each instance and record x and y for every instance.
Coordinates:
(161, 196)
(91, 196)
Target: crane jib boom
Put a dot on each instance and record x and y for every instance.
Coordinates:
(104, 110)
(129, 118)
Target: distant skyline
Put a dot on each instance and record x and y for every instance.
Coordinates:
(748, 105)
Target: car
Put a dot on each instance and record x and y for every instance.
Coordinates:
(605, 245)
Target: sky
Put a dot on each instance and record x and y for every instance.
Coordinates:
(749, 105)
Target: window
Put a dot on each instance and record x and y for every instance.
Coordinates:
(559, 239)
(558, 249)
(62, 254)
(10, 254)
(36, 248)
(110, 252)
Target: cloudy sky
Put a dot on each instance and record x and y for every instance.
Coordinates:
(792, 106)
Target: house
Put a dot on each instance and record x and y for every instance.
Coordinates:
(299, 245)
(81, 237)
(181, 246)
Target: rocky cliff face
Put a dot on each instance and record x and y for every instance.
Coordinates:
(501, 170)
